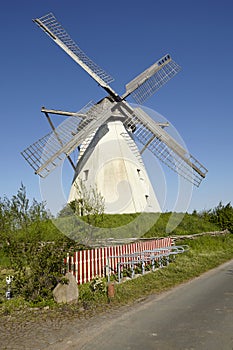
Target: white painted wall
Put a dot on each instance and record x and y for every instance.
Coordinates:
(111, 161)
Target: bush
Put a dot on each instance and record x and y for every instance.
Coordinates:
(223, 216)
(37, 270)
(35, 263)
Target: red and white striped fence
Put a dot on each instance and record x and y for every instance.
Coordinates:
(86, 264)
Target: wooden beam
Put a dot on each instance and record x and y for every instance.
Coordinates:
(58, 138)
(65, 113)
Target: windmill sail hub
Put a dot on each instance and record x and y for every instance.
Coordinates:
(110, 161)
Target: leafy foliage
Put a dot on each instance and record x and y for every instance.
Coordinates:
(36, 277)
(223, 216)
(37, 263)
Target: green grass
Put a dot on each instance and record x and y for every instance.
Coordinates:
(187, 223)
(138, 225)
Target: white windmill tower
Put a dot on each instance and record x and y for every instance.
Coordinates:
(105, 135)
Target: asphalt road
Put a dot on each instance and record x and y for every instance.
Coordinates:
(195, 315)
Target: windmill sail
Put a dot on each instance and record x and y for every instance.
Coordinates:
(152, 79)
(47, 153)
(33, 153)
(56, 32)
(165, 147)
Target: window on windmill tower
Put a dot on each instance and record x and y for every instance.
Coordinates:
(86, 174)
(139, 172)
(147, 197)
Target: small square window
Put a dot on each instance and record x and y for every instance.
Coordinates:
(86, 174)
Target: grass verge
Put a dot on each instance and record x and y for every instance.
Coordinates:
(205, 253)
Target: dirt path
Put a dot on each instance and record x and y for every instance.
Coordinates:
(44, 329)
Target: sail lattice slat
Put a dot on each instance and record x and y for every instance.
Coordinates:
(155, 82)
(49, 147)
(48, 152)
(54, 27)
(165, 148)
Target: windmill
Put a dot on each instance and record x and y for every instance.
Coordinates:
(105, 134)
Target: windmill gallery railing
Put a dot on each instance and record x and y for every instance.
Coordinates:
(86, 264)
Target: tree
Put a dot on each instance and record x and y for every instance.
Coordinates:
(81, 218)
(17, 214)
(89, 204)
(223, 216)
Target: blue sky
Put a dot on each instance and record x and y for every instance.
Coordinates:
(124, 38)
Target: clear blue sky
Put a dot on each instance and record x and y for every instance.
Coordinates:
(124, 38)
